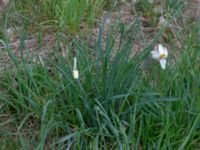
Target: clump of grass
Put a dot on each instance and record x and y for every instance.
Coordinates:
(114, 103)
(104, 86)
(71, 16)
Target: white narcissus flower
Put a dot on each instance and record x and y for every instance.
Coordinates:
(160, 53)
(162, 21)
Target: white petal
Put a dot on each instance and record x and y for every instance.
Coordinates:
(155, 54)
(163, 63)
(161, 49)
(165, 52)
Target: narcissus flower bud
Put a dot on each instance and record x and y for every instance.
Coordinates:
(75, 70)
(75, 74)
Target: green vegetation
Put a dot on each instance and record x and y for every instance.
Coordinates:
(121, 100)
(65, 15)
